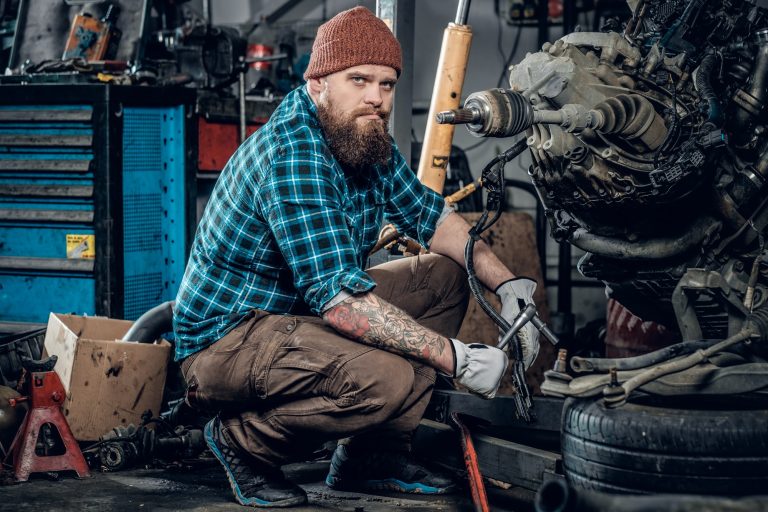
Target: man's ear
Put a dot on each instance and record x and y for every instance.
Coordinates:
(315, 86)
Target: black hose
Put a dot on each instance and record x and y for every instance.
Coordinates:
(599, 364)
(655, 248)
(482, 225)
(703, 85)
(476, 287)
(558, 496)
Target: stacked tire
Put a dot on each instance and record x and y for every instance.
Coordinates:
(698, 445)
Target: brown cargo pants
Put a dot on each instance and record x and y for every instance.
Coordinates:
(285, 384)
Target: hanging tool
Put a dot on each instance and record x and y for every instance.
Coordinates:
(91, 38)
(476, 486)
(446, 95)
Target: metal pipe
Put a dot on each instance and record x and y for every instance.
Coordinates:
(617, 395)
(462, 13)
(522, 318)
(241, 94)
(149, 326)
(603, 364)
(657, 248)
(207, 12)
(564, 267)
(21, 18)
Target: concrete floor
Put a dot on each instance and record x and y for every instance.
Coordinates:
(203, 487)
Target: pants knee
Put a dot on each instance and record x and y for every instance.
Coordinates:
(452, 275)
(389, 382)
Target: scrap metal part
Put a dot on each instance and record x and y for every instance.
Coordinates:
(649, 152)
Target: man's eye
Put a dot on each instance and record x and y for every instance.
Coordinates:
(358, 79)
(388, 86)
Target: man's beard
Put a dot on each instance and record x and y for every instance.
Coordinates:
(356, 147)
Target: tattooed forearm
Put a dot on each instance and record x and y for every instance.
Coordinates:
(374, 321)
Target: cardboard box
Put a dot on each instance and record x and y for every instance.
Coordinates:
(108, 382)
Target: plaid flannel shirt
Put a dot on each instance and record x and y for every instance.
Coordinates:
(285, 229)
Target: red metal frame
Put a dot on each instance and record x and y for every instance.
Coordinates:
(46, 395)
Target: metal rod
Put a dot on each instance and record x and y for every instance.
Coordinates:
(462, 13)
(241, 90)
(564, 266)
(522, 318)
(207, 12)
(474, 475)
(21, 18)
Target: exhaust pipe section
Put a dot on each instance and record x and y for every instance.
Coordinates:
(558, 496)
(152, 324)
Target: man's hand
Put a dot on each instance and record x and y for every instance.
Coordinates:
(514, 295)
(479, 367)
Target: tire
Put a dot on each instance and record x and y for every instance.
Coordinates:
(689, 445)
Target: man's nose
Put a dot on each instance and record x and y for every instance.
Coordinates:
(372, 95)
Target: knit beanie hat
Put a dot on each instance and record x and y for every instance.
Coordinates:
(353, 38)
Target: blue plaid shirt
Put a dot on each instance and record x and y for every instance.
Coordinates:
(286, 230)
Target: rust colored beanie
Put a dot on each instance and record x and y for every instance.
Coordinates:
(353, 38)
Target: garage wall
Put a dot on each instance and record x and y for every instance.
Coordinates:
(485, 66)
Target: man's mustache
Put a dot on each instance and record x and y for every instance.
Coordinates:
(362, 111)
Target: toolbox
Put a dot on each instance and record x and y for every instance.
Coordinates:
(97, 187)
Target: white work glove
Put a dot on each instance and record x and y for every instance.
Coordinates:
(514, 295)
(479, 367)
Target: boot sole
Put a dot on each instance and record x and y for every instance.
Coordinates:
(242, 500)
(387, 484)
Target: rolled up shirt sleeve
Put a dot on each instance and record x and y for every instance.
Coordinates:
(303, 208)
(413, 208)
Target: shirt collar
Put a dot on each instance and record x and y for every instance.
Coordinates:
(306, 100)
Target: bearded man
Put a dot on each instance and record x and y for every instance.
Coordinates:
(279, 328)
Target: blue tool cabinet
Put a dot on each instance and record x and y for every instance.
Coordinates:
(97, 188)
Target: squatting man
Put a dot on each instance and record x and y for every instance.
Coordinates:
(280, 329)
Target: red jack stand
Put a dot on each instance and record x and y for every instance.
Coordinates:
(46, 395)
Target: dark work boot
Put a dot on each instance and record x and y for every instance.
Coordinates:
(380, 470)
(253, 486)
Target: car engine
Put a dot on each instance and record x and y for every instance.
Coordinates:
(650, 153)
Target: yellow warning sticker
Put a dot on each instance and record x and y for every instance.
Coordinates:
(81, 247)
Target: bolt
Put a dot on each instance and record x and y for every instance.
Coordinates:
(614, 394)
(560, 365)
